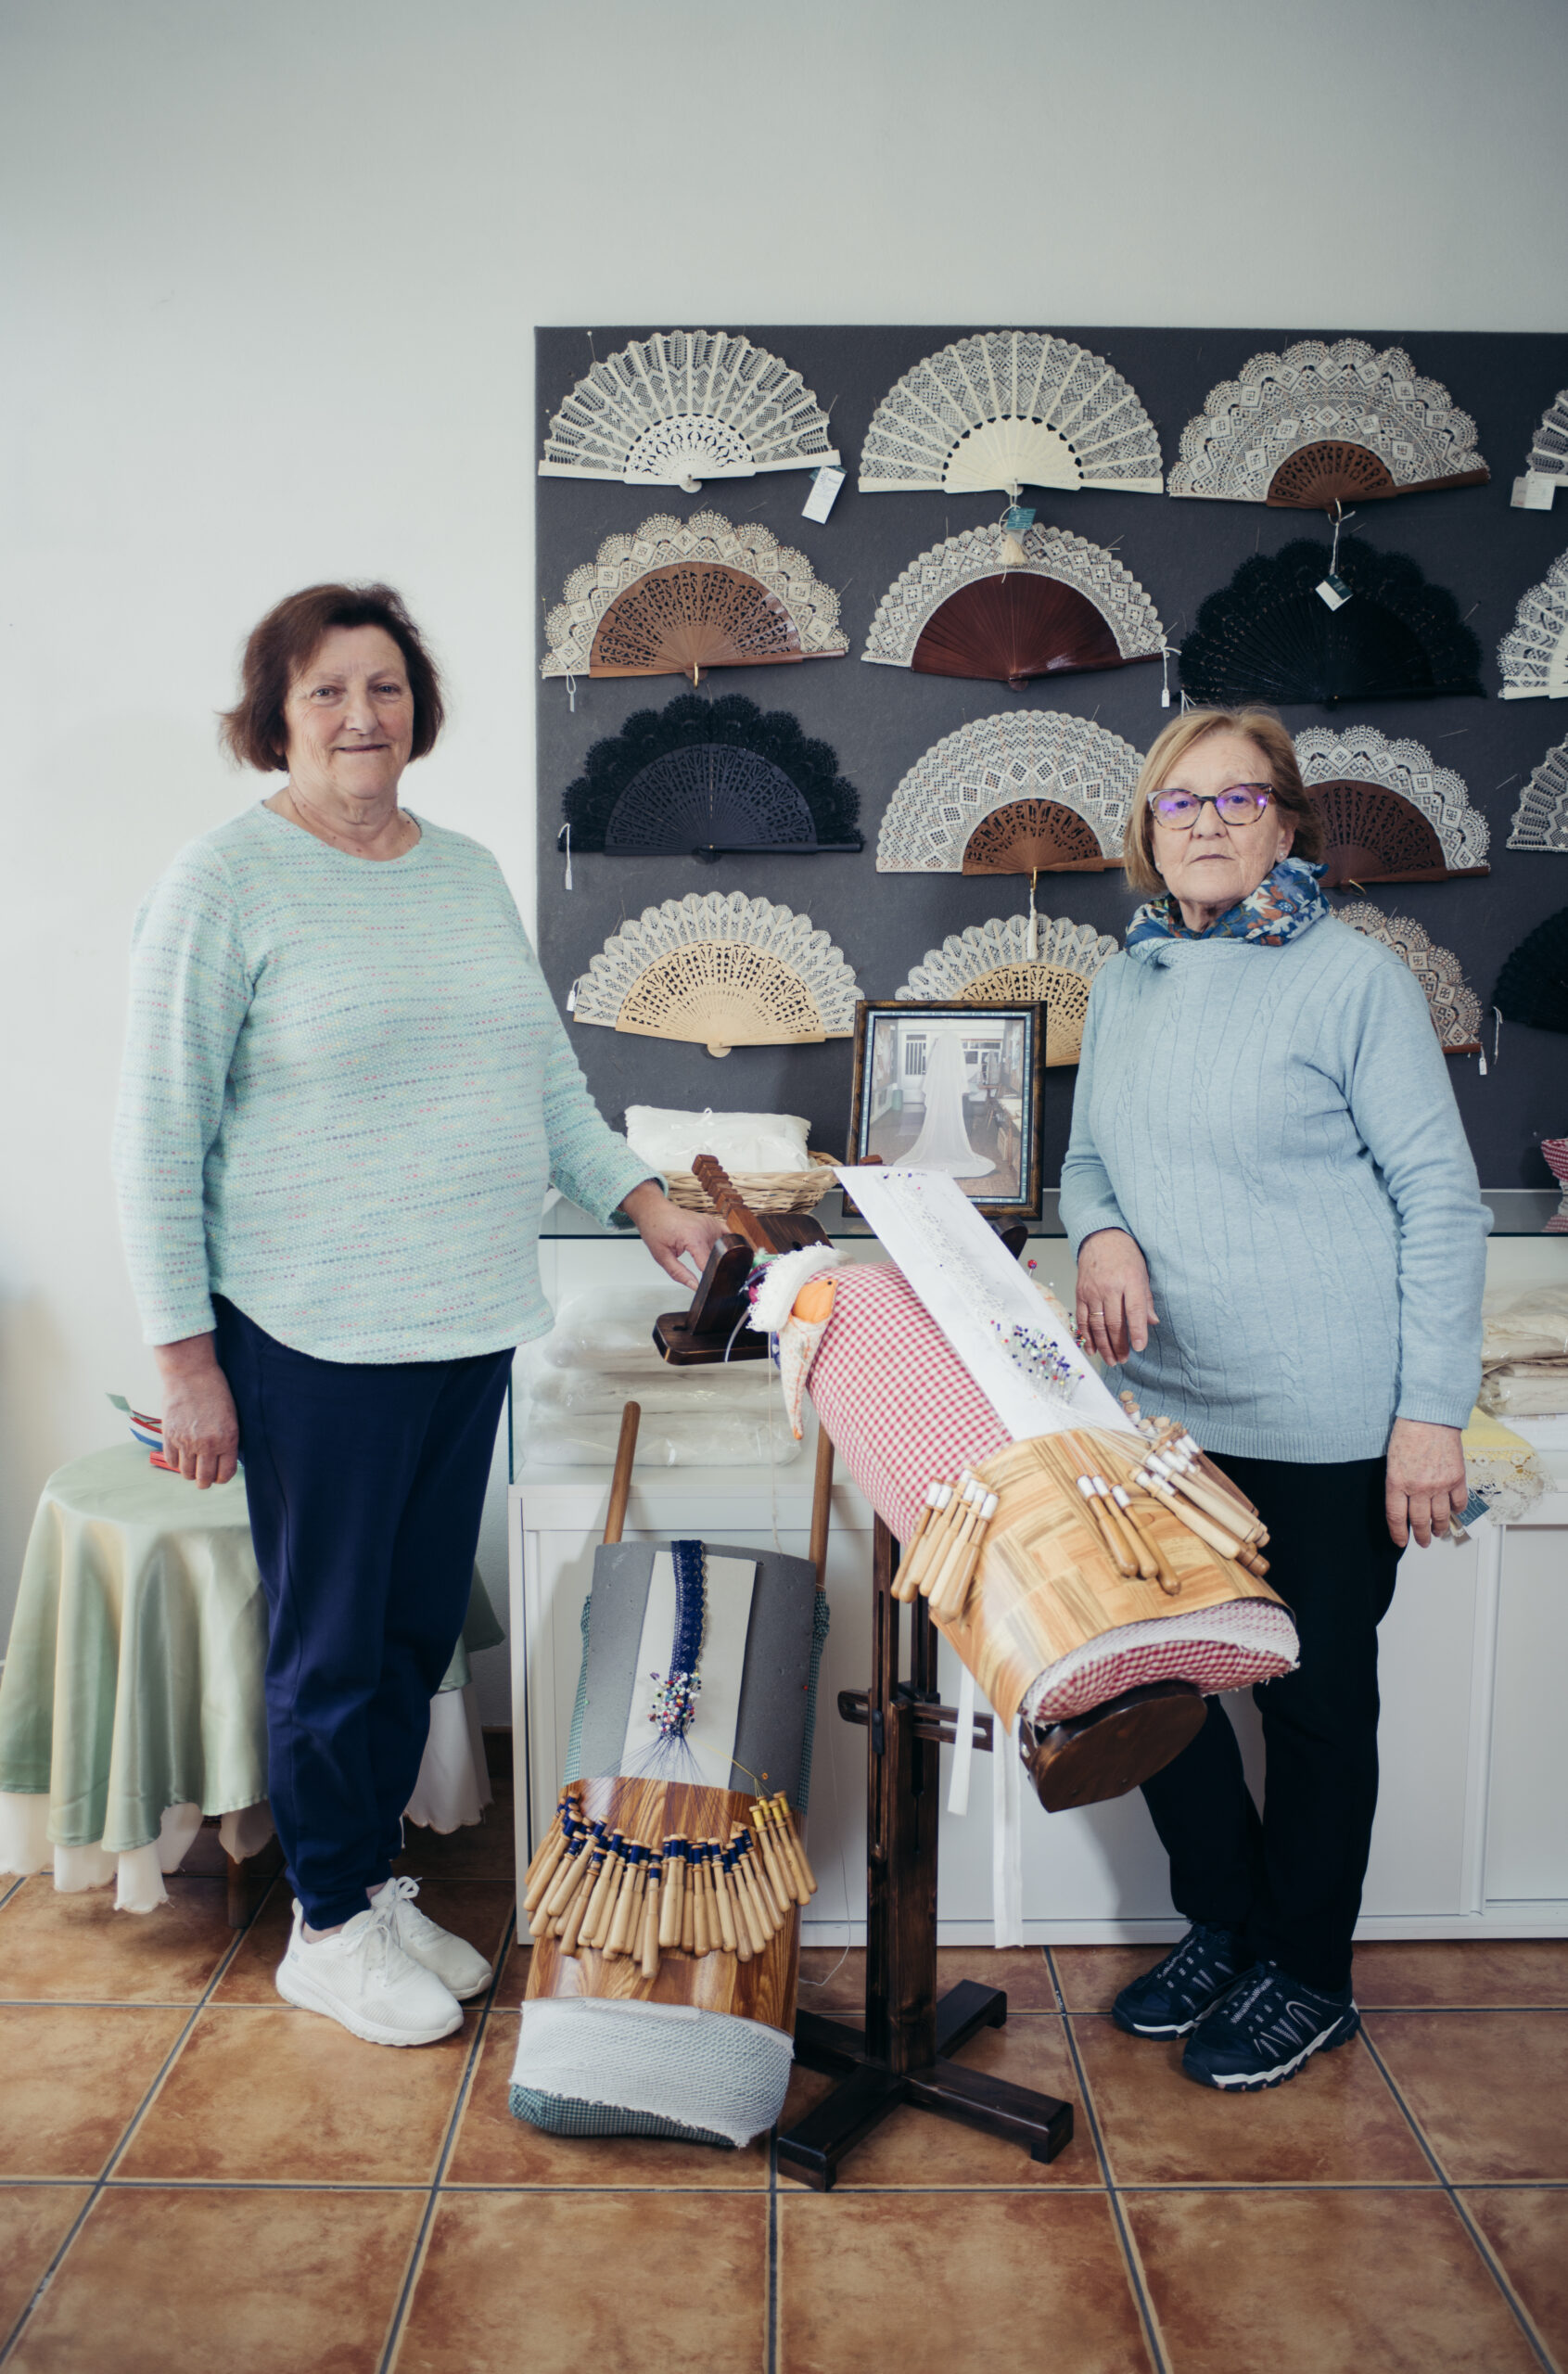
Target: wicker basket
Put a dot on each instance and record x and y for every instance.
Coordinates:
(764, 1191)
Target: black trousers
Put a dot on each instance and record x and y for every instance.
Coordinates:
(1289, 1883)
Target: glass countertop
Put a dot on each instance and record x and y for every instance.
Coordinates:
(1516, 1211)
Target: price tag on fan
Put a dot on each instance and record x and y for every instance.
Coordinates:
(1334, 591)
(825, 483)
(1533, 492)
(1018, 517)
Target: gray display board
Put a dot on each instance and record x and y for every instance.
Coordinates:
(880, 720)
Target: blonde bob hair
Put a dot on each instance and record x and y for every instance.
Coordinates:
(1262, 728)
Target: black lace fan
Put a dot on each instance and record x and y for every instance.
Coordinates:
(1270, 636)
(1533, 985)
(710, 778)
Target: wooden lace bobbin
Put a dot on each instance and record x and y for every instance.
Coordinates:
(728, 1895)
(702, 1937)
(783, 1895)
(755, 1881)
(1131, 1542)
(797, 1847)
(763, 1987)
(603, 1897)
(670, 1896)
(907, 1577)
(722, 1906)
(746, 1896)
(648, 1958)
(1132, 1511)
(938, 1585)
(789, 1853)
(553, 1912)
(578, 1908)
(542, 1870)
(1195, 1519)
(688, 1901)
(624, 1927)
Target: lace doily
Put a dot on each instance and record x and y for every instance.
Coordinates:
(1534, 653)
(683, 406)
(975, 556)
(725, 972)
(1391, 812)
(992, 965)
(1038, 756)
(1456, 1009)
(1542, 819)
(1008, 409)
(696, 593)
(1324, 424)
(1545, 464)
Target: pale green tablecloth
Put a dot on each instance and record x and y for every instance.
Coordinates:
(133, 1681)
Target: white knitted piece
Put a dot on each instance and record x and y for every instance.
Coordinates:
(701, 2069)
(784, 1279)
(1218, 1648)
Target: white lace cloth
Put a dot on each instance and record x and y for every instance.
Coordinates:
(705, 2068)
(452, 1791)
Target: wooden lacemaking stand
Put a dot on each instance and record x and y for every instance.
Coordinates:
(902, 2054)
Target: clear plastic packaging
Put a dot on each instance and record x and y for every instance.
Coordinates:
(672, 1141)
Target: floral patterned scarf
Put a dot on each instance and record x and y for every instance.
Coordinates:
(1286, 902)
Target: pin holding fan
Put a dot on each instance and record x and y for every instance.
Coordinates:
(1019, 960)
(967, 608)
(723, 972)
(1533, 986)
(703, 777)
(1268, 635)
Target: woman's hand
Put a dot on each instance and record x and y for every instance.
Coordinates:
(670, 1234)
(1116, 1308)
(200, 1429)
(1427, 1486)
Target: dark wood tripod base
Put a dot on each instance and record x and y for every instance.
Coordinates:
(901, 2053)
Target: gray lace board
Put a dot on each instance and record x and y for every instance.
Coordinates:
(771, 1733)
(881, 720)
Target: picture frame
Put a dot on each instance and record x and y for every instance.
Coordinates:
(943, 1085)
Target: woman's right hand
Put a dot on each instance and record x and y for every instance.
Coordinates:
(1116, 1308)
(200, 1427)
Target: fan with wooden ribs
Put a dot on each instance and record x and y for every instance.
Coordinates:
(1390, 813)
(1027, 791)
(708, 778)
(1033, 960)
(1453, 1004)
(721, 971)
(1008, 607)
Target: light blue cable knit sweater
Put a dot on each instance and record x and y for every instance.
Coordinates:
(346, 1088)
(1276, 1128)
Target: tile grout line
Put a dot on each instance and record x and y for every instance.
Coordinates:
(1478, 2240)
(128, 2132)
(465, 2086)
(1131, 2257)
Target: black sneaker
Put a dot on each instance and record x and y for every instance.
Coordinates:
(1171, 1999)
(1266, 2030)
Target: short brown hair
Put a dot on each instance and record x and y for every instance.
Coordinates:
(287, 640)
(1260, 726)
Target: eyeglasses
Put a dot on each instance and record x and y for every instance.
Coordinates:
(1241, 803)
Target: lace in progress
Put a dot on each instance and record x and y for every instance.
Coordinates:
(1392, 814)
(1014, 960)
(964, 609)
(1066, 782)
(1456, 1009)
(681, 595)
(1008, 409)
(1320, 425)
(723, 972)
(1534, 653)
(1542, 819)
(683, 406)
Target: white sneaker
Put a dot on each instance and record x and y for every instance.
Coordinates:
(456, 1963)
(363, 1979)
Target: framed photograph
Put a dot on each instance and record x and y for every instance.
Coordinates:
(954, 1088)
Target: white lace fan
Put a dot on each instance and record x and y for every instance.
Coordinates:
(724, 971)
(683, 406)
(681, 595)
(1019, 959)
(1320, 425)
(1392, 813)
(1534, 653)
(1545, 464)
(1025, 791)
(1007, 409)
(1456, 1009)
(1541, 820)
(970, 607)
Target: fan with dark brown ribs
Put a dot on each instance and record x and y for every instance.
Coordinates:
(1374, 835)
(1013, 627)
(693, 615)
(1334, 471)
(1034, 836)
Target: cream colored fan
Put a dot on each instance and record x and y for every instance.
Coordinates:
(723, 970)
(681, 595)
(1320, 425)
(1534, 653)
(1026, 790)
(1542, 819)
(685, 406)
(1014, 960)
(1007, 409)
(1456, 1009)
(1445, 836)
(1545, 464)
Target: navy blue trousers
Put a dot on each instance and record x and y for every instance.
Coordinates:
(366, 1486)
(1289, 1881)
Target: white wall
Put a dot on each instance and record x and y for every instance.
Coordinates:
(271, 271)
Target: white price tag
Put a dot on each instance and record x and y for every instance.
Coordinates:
(1335, 592)
(825, 483)
(1533, 492)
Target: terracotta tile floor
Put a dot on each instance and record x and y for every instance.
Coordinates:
(194, 2177)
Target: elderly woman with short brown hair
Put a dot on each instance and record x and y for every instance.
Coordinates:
(346, 1089)
(1281, 1242)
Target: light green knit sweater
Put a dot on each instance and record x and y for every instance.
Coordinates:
(346, 1089)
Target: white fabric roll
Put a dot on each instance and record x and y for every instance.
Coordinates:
(701, 2069)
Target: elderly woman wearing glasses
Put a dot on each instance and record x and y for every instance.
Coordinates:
(1281, 1242)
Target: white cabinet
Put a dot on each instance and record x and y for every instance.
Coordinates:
(1525, 1861)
